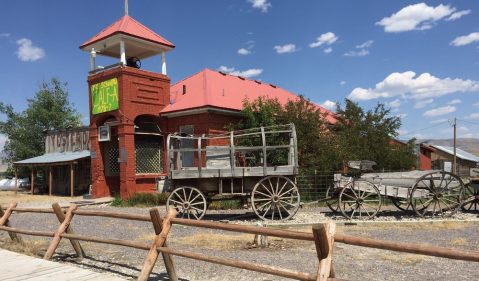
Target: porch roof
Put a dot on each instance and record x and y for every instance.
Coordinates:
(54, 158)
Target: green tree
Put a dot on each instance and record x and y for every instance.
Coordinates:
(49, 109)
(368, 135)
(314, 138)
(357, 134)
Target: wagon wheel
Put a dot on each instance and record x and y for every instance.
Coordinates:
(437, 194)
(471, 203)
(333, 202)
(275, 198)
(360, 199)
(189, 202)
(403, 204)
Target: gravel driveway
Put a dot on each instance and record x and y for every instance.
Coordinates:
(351, 262)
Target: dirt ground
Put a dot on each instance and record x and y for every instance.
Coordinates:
(351, 262)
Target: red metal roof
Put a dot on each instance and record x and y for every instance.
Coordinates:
(216, 89)
(129, 26)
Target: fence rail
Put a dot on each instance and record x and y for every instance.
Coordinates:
(323, 236)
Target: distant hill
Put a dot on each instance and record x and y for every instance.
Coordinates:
(469, 145)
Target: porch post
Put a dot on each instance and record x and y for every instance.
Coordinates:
(32, 186)
(16, 179)
(50, 181)
(72, 174)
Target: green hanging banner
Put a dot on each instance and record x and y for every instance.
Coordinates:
(104, 96)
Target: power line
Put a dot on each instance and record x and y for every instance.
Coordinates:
(427, 128)
(473, 123)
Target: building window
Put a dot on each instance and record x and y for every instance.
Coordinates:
(148, 154)
(187, 157)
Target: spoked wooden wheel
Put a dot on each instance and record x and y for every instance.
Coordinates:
(437, 194)
(189, 202)
(471, 203)
(403, 204)
(360, 199)
(333, 202)
(275, 198)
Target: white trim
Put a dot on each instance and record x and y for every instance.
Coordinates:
(122, 52)
(206, 109)
(163, 63)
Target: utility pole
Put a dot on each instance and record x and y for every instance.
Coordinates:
(454, 163)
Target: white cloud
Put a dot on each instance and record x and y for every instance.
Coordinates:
(458, 15)
(342, 83)
(423, 103)
(288, 48)
(327, 38)
(360, 53)
(476, 104)
(466, 39)
(244, 52)
(408, 85)
(437, 121)
(5, 35)
(263, 5)
(365, 45)
(331, 105)
(245, 73)
(328, 50)
(454, 101)
(27, 51)
(418, 17)
(463, 129)
(439, 111)
(402, 115)
(395, 103)
(472, 116)
(363, 49)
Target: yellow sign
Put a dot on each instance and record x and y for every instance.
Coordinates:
(104, 96)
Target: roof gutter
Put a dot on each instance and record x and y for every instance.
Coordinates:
(201, 110)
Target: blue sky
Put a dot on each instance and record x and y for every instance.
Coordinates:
(420, 58)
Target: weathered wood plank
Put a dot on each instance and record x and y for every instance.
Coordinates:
(21, 267)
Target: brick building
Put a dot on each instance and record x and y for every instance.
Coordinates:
(133, 110)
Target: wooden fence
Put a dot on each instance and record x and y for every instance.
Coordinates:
(323, 236)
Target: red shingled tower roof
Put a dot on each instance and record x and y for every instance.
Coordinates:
(129, 26)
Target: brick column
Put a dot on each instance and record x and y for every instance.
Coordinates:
(99, 186)
(126, 141)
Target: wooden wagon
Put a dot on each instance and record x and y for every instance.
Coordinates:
(427, 193)
(256, 165)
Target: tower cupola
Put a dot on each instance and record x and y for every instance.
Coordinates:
(129, 41)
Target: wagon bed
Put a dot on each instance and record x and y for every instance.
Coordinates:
(258, 164)
(428, 193)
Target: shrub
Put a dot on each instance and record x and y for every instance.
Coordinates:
(141, 200)
(228, 204)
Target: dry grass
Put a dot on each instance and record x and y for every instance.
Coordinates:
(406, 226)
(7, 197)
(236, 241)
(34, 248)
(403, 259)
(459, 241)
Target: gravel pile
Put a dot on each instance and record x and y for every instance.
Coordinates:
(350, 262)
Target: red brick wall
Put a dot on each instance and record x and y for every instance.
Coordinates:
(425, 160)
(204, 123)
(140, 93)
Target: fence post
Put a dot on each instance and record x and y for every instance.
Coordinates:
(58, 234)
(4, 216)
(61, 218)
(167, 258)
(160, 240)
(324, 240)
